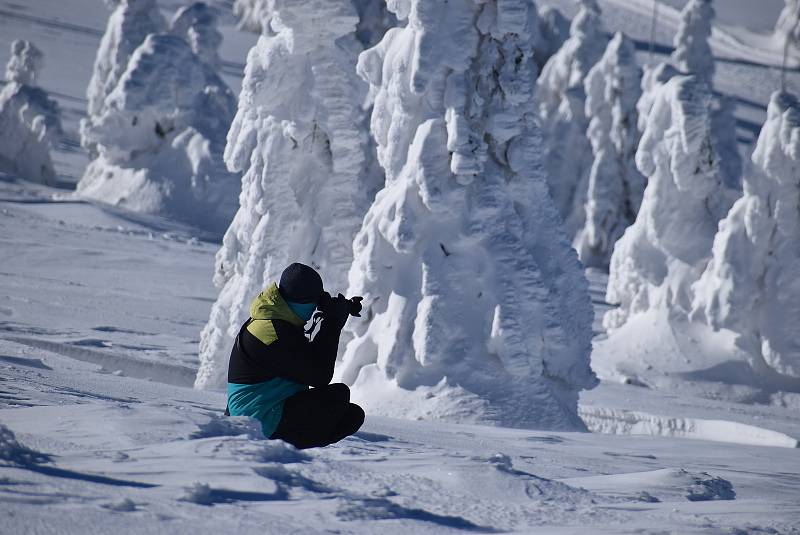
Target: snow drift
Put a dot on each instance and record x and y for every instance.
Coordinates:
(476, 308)
(160, 138)
(667, 248)
(298, 139)
(30, 121)
(752, 284)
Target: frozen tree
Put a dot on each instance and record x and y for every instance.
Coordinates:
(553, 31)
(476, 308)
(692, 53)
(752, 284)
(561, 101)
(30, 121)
(252, 14)
(128, 26)
(197, 25)
(787, 29)
(667, 248)
(615, 185)
(160, 138)
(298, 139)
(653, 79)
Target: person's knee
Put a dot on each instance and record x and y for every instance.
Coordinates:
(339, 392)
(356, 415)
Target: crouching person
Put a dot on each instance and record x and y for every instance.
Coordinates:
(273, 364)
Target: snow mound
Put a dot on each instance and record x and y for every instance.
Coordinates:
(15, 454)
(752, 283)
(161, 136)
(30, 121)
(476, 308)
(615, 185)
(562, 104)
(298, 139)
(667, 248)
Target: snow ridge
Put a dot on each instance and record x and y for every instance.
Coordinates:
(298, 141)
(476, 308)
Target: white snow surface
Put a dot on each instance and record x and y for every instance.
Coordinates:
(297, 138)
(160, 137)
(468, 280)
(30, 121)
(752, 284)
(615, 187)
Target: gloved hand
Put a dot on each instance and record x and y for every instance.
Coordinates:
(335, 309)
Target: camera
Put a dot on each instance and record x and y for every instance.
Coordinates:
(353, 302)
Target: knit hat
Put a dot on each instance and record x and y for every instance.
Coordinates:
(300, 284)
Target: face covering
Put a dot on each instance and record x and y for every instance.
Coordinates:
(303, 310)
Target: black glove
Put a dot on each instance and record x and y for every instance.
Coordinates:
(335, 309)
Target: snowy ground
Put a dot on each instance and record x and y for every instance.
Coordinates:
(100, 314)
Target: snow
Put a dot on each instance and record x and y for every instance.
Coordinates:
(297, 140)
(197, 25)
(615, 185)
(464, 200)
(102, 432)
(692, 53)
(751, 284)
(30, 121)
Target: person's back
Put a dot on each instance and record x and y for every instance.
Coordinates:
(278, 376)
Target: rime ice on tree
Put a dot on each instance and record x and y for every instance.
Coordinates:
(561, 101)
(29, 120)
(160, 138)
(659, 257)
(692, 53)
(787, 28)
(615, 185)
(298, 139)
(752, 284)
(197, 25)
(476, 308)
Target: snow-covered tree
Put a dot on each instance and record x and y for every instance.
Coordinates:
(251, 14)
(161, 136)
(615, 185)
(667, 248)
(30, 121)
(197, 25)
(752, 284)
(298, 139)
(692, 53)
(476, 308)
(787, 28)
(653, 79)
(553, 31)
(562, 102)
(128, 26)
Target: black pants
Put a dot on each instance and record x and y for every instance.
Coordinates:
(319, 416)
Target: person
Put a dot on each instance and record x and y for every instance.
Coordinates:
(280, 377)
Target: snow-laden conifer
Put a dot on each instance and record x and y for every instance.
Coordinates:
(667, 248)
(787, 28)
(561, 102)
(298, 140)
(30, 122)
(553, 31)
(197, 25)
(161, 136)
(476, 308)
(752, 284)
(615, 185)
(692, 54)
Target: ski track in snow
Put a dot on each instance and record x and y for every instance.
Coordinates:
(100, 313)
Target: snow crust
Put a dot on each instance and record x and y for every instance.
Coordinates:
(160, 137)
(615, 185)
(30, 123)
(562, 115)
(667, 248)
(476, 308)
(752, 283)
(297, 138)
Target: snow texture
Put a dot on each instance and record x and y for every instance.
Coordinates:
(476, 308)
(787, 28)
(562, 101)
(615, 185)
(692, 53)
(197, 25)
(298, 140)
(253, 15)
(666, 249)
(752, 284)
(553, 32)
(30, 123)
(160, 138)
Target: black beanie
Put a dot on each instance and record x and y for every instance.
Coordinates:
(300, 284)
